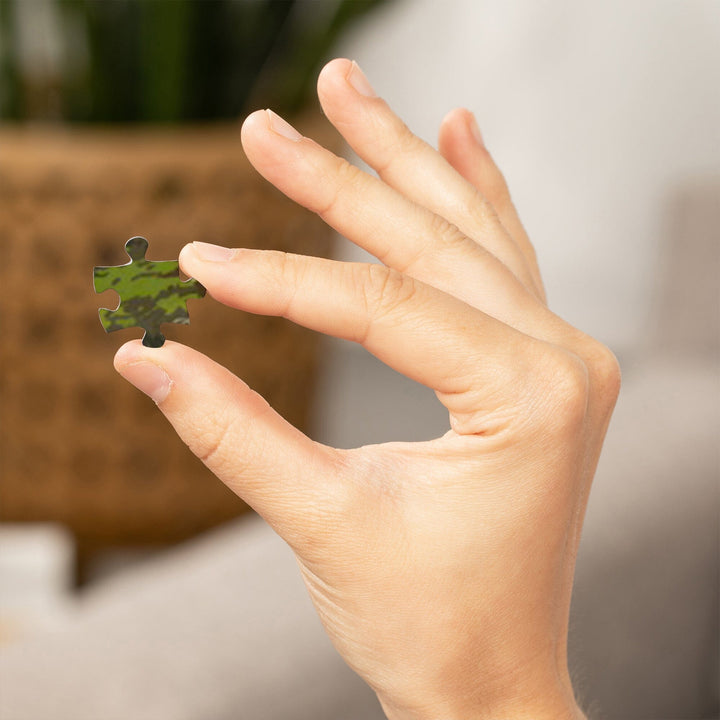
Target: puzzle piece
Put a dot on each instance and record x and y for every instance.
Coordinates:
(151, 293)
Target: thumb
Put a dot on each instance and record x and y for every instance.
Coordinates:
(276, 469)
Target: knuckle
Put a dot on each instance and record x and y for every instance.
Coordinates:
(605, 374)
(383, 290)
(483, 211)
(276, 266)
(227, 443)
(345, 175)
(571, 385)
(211, 438)
(406, 142)
(446, 233)
(565, 386)
(284, 271)
(399, 140)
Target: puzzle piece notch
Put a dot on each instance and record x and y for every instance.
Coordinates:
(151, 293)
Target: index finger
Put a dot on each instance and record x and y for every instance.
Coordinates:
(466, 356)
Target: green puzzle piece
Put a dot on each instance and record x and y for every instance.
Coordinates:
(151, 293)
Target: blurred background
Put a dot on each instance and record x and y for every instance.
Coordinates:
(132, 584)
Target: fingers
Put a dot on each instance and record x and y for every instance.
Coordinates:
(411, 166)
(421, 332)
(461, 145)
(260, 456)
(402, 234)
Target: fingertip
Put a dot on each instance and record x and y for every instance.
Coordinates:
(337, 68)
(330, 82)
(140, 367)
(255, 121)
(451, 134)
(460, 125)
(456, 115)
(191, 264)
(134, 351)
(254, 117)
(128, 353)
(186, 257)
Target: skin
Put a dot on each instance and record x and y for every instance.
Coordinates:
(441, 570)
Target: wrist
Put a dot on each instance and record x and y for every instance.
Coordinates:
(548, 703)
(536, 711)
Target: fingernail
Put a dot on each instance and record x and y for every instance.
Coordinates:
(212, 253)
(475, 130)
(282, 127)
(149, 378)
(356, 77)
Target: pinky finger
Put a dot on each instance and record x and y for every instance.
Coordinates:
(461, 145)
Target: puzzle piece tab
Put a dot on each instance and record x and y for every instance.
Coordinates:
(151, 293)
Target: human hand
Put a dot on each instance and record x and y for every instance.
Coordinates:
(441, 570)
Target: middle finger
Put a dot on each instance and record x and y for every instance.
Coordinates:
(411, 166)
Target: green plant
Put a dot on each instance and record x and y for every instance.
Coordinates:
(166, 60)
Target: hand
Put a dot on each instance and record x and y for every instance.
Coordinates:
(441, 570)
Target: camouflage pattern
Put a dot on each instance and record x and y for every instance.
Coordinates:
(151, 293)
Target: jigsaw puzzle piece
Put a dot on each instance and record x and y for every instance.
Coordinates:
(151, 293)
